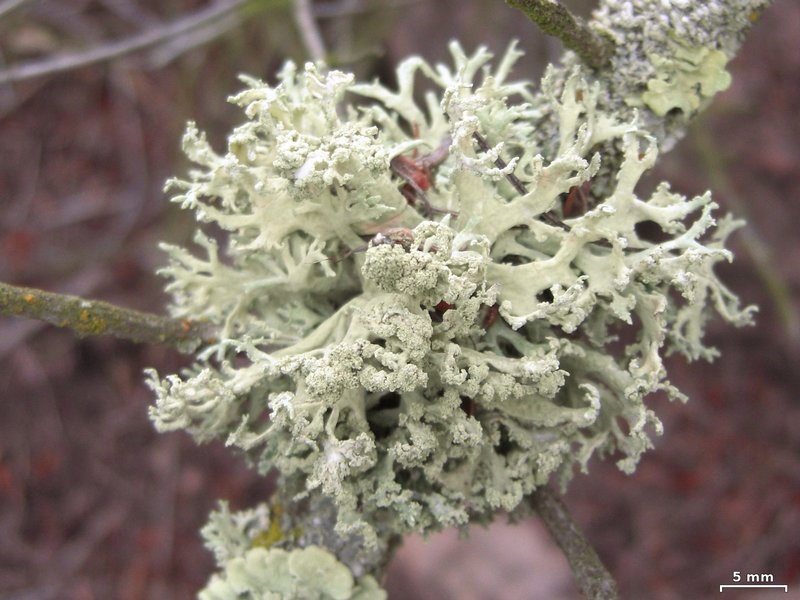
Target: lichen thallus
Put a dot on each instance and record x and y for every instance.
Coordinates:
(516, 183)
(417, 175)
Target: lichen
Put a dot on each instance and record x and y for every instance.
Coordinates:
(423, 365)
(642, 30)
(310, 573)
(686, 80)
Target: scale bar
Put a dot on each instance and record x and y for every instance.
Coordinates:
(785, 587)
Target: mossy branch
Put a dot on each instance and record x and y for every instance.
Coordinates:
(593, 579)
(594, 49)
(95, 317)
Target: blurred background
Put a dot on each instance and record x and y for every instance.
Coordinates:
(95, 505)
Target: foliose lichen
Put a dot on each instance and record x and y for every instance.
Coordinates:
(424, 365)
(647, 35)
(686, 80)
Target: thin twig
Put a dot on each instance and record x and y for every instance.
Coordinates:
(9, 5)
(309, 31)
(500, 164)
(17, 332)
(593, 579)
(112, 50)
(165, 53)
(95, 317)
(516, 183)
(339, 10)
(594, 49)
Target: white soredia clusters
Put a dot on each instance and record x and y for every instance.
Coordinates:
(422, 319)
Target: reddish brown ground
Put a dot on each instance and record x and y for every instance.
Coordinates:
(95, 505)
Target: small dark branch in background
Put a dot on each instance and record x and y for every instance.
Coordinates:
(8, 5)
(309, 31)
(115, 49)
(351, 8)
(594, 49)
(593, 579)
(94, 317)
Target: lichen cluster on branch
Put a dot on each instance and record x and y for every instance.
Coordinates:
(678, 48)
(381, 379)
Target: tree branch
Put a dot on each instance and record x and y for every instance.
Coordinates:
(9, 5)
(346, 8)
(647, 40)
(95, 317)
(112, 50)
(593, 579)
(309, 31)
(594, 49)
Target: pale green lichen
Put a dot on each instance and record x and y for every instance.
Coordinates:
(380, 380)
(229, 535)
(642, 30)
(686, 80)
(250, 571)
(310, 573)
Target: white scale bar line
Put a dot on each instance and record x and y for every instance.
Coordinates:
(785, 587)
